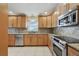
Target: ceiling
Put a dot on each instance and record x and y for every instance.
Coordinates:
(31, 8)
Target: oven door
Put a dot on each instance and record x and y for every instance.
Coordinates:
(57, 50)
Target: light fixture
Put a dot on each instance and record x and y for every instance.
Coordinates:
(56, 12)
(64, 3)
(70, 10)
(45, 13)
(11, 13)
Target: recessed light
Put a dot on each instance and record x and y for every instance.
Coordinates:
(56, 12)
(70, 10)
(45, 13)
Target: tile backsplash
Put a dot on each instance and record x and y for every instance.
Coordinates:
(42, 30)
(71, 31)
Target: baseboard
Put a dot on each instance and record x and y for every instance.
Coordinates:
(15, 45)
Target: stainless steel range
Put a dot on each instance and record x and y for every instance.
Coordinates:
(60, 44)
(59, 47)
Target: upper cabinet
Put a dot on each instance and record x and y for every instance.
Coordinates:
(45, 21)
(17, 21)
(54, 20)
(73, 5)
(12, 21)
(21, 21)
(49, 21)
(42, 21)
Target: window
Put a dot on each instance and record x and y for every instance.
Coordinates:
(32, 24)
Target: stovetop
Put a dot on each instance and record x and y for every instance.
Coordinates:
(68, 39)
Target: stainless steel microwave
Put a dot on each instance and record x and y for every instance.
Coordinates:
(70, 18)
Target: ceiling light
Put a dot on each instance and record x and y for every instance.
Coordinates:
(56, 12)
(11, 13)
(64, 3)
(70, 10)
(45, 13)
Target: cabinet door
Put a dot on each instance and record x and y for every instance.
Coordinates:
(54, 20)
(45, 39)
(34, 39)
(49, 21)
(10, 21)
(50, 45)
(27, 39)
(40, 22)
(44, 21)
(40, 39)
(23, 21)
(11, 40)
(19, 21)
(73, 5)
(72, 52)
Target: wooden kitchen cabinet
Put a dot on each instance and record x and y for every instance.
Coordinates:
(17, 21)
(27, 39)
(40, 24)
(73, 5)
(63, 8)
(21, 21)
(11, 40)
(50, 45)
(45, 38)
(72, 51)
(45, 21)
(12, 21)
(40, 39)
(54, 20)
(42, 21)
(36, 39)
(49, 21)
(24, 21)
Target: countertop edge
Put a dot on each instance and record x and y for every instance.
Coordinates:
(73, 47)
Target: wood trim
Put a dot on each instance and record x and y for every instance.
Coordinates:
(3, 29)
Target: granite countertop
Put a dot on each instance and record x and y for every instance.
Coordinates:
(74, 45)
(68, 39)
(27, 33)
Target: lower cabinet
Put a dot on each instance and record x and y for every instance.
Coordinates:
(40, 39)
(50, 45)
(72, 51)
(35, 39)
(27, 39)
(11, 40)
(45, 38)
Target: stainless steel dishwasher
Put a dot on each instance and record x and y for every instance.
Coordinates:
(19, 40)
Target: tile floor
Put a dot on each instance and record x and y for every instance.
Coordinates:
(29, 51)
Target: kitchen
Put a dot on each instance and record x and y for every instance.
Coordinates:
(43, 29)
